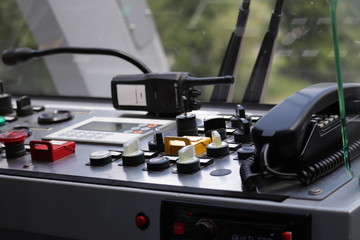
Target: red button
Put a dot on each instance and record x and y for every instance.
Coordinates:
(286, 236)
(13, 136)
(142, 221)
(178, 228)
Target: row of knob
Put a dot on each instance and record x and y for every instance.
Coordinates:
(186, 125)
(215, 130)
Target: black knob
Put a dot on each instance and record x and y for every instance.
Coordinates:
(5, 102)
(235, 122)
(186, 125)
(157, 163)
(100, 158)
(216, 123)
(190, 166)
(245, 152)
(23, 106)
(205, 229)
(133, 159)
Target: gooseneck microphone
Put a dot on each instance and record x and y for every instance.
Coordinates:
(262, 65)
(232, 53)
(13, 57)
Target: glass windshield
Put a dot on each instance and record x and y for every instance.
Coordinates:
(182, 36)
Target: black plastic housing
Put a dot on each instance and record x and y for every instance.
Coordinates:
(294, 139)
(160, 93)
(161, 90)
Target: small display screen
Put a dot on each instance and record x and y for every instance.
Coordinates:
(106, 126)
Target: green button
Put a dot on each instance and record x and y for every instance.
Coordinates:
(2, 121)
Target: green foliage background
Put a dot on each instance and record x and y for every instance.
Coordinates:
(195, 34)
(15, 33)
(303, 51)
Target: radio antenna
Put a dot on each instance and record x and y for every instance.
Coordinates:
(229, 63)
(255, 87)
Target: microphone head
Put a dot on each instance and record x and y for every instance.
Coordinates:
(12, 57)
(8, 57)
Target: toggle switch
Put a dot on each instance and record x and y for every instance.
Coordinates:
(158, 143)
(5, 102)
(236, 120)
(217, 148)
(132, 155)
(239, 113)
(187, 162)
(243, 134)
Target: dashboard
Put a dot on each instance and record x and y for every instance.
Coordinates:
(75, 196)
(92, 149)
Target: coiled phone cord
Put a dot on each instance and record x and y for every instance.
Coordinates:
(248, 175)
(307, 175)
(318, 169)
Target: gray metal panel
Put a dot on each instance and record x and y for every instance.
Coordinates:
(83, 205)
(83, 211)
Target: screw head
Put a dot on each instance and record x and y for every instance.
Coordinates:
(315, 191)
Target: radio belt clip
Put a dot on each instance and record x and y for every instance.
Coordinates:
(51, 150)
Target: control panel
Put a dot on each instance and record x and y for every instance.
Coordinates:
(177, 179)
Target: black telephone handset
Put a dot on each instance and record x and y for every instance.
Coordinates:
(305, 127)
